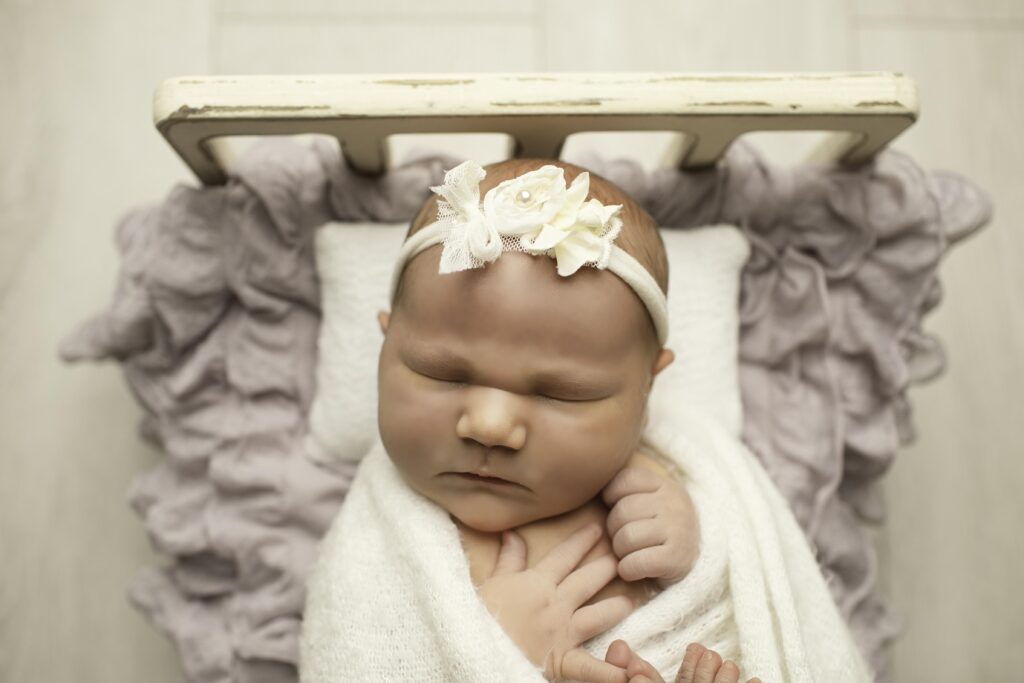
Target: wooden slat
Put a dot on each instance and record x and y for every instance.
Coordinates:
(866, 110)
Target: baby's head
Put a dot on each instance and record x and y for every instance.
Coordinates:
(510, 393)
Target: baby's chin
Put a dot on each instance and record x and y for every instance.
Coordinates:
(489, 522)
(494, 519)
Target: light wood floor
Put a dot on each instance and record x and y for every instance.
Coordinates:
(77, 148)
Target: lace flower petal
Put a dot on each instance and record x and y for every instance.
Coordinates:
(461, 188)
(572, 202)
(577, 249)
(547, 238)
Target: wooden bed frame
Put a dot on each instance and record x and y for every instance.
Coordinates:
(864, 112)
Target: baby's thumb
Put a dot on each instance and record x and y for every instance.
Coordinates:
(579, 665)
(512, 556)
(619, 654)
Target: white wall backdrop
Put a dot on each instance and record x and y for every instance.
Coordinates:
(77, 148)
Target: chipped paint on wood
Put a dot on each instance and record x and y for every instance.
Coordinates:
(715, 79)
(753, 78)
(878, 103)
(185, 111)
(736, 103)
(206, 81)
(416, 83)
(874, 106)
(584, 102)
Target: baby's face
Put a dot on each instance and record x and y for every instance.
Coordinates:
(508, 393)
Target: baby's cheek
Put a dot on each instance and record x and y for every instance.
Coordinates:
(614, 432)
(414, 425)
(583, 465)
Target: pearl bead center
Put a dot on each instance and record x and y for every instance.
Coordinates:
(523, 197)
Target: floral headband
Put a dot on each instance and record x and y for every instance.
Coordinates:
(534, 213)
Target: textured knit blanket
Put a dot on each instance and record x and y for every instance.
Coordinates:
(391, 598)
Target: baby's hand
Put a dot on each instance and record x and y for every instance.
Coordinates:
(653, 526)
(540, 607)
(700, 665)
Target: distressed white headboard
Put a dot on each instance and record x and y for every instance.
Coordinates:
(864, 111)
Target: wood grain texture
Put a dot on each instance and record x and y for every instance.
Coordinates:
(77, 151)
(920, 13)
(951, 546)
(729, 35)
(389, 11)
(347, 47)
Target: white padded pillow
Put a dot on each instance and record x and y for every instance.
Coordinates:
(354, 262)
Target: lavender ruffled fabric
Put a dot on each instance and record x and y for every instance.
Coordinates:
(215, 322)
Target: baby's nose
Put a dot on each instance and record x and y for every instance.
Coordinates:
(492, 417)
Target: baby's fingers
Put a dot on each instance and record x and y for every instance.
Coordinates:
(619, 654)
(632, 508)
(644, 533)
(586, 581)
(512, 556)
(565, 556)
(647, 563)
(707, 668)
(637, 668)
(631, 480)
(595, 619)
(577, 665)
(689, 666)
(728, 673)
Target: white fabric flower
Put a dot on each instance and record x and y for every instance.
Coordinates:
(470, 239)
(587, 239)
(523, 205)
(536, 208)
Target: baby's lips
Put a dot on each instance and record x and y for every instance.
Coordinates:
(485, 477)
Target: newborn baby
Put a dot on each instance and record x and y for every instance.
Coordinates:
(511, 524)
(514, 397)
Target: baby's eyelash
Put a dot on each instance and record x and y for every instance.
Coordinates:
(563, 399)
(556, 399)
(441, 378)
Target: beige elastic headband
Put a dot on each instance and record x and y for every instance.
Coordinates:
(534, 213)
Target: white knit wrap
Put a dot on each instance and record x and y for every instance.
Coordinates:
(391, 598)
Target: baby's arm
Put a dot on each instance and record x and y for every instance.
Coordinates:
(652, 523)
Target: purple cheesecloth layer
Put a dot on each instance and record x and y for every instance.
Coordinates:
(215, 323)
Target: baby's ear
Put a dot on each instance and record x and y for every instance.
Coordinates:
(383, 319)
(664, 359)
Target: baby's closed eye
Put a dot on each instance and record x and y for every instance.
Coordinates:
(569, 396)
(437, 363)
(570, 389)
(441, 376)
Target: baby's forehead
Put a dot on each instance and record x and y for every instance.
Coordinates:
(523, 297)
